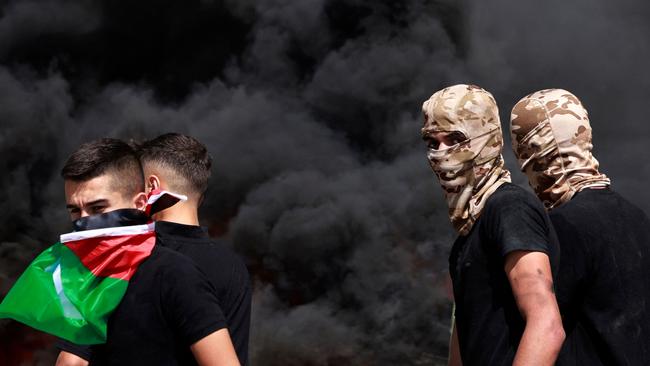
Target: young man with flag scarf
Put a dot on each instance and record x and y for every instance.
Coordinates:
(109, 282)
(603, 287)
(503, 261)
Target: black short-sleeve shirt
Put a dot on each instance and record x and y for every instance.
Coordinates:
(488, 321)
(168, 306)
(223, 268)
(603, 286)
(225, 271)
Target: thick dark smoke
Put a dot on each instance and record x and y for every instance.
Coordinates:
(311, 110)
(596, 49)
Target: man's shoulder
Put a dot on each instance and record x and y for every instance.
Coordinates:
(194, 242)
(222, 248)
(164, 254)
(515, 219)
(510, 190)
(598, 209)
(510, 195)
(224, 268)
(586, 201)
(210, 250)
(165, 260)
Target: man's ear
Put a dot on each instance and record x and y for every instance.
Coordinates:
(140, 201)
(153, 183)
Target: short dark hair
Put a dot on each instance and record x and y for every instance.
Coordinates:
(106, 156)
(184, 155)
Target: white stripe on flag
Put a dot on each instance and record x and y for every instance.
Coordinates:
(153, 198)
(69, 310)
(109, 231)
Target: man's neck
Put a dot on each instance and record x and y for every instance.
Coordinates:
(184, 213)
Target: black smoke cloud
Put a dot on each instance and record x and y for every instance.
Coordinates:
(598, 50)
(311, 111)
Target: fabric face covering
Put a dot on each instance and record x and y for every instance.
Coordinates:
(551, 137)
(470, 171)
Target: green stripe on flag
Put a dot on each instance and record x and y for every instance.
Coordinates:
(59, 295)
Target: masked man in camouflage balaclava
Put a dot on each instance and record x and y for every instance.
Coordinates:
(603, 285)
(502, 228)
(471, 170)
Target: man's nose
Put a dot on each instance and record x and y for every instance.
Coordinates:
(84, 213)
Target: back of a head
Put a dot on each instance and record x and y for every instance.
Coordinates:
(560, 109)
(183, 160)
(106, 156)
(551, 138)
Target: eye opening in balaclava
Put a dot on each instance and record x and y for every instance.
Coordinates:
(551, 138)
(451, 139)
(471, 170)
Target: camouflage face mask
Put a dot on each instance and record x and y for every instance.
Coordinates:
(471, 170)
(551, 138)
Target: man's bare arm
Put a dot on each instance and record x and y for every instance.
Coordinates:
(215, 349)
(530, 277)
(69, 359)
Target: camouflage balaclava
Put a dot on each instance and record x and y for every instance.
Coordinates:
(551, 138)
(471, 170)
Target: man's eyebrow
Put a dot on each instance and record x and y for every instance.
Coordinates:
(91, 203)
(97, 202)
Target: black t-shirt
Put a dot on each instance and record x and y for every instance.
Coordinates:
(168, 306)
(488, 321)
(603, 286)
(224, 269)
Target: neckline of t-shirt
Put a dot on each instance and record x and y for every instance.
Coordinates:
(173, 229)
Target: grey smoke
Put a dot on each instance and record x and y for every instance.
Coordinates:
(598, 50)
(320, 179)
(24, 21)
